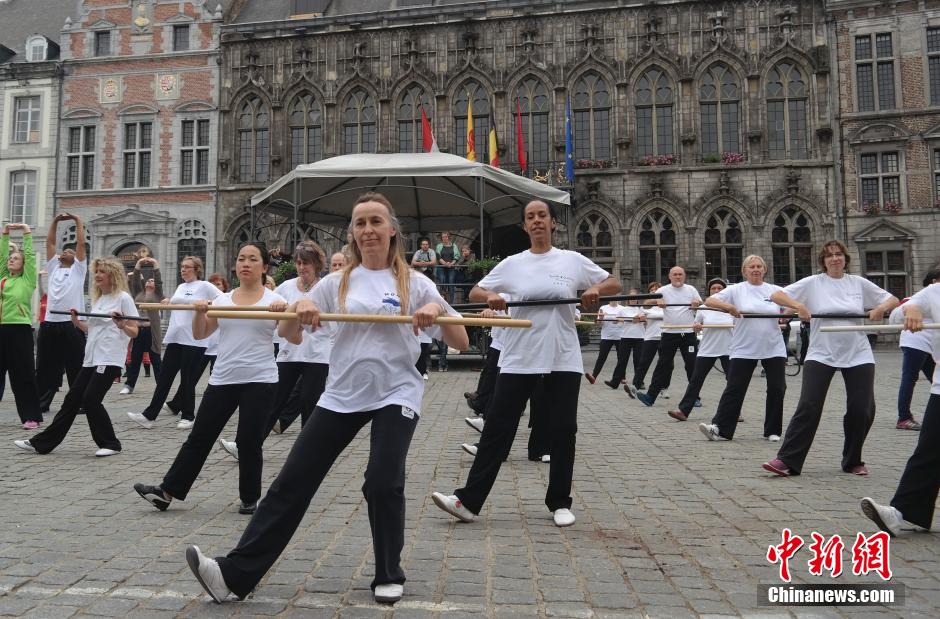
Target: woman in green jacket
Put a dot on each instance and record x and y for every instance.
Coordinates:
(17, 285)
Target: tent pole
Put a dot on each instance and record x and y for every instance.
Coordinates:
(294, 238)
(251, 221)
(480, 200)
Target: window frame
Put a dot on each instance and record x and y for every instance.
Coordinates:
(880, 176)
(176, 30)
(788, 99)
(363, 128)
(593, 116)
(82, 160)
(311, 142)
(140, 153)
(791, 213)
(481, 121)
(722, 133)
(526, 90)
(932, 89)
(654, 106)
(97, 36)
(657, 218)
(197, 151)
(30, 200)
(728, 272)
(414, 96)
(883, 276)
(258, 143)
(34, 43)
(874, 62)
(602, 254)
(33, 116)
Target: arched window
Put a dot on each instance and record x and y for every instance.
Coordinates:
(481, 120)
(594, 237)
(254, 141)
(306, 130)
(359, 117)
(410, 136)
(719, 104)
(36, 49)
(192, 235)
(657, 247)
(534, 103)
(724, 246)
(590, 110)
(786, 112)
(655, 98)
(792, 243)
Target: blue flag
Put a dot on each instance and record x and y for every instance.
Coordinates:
(569, 143)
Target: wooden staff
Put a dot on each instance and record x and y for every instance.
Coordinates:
(190, 307)
(381, 318)
(572, 301)
(881, 328)
(469, 315)
(797, 316)
(703, 326)
(92, 315)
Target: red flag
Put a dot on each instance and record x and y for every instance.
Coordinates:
(427, 136)
(520, 140)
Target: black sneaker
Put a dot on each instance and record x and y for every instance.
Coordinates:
(248, 508)
(153, 495)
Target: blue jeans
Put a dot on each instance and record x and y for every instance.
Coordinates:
(914, 361)
(448, 277)
(441, 354)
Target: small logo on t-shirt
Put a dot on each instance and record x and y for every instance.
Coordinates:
(560, 280)
(390, 304)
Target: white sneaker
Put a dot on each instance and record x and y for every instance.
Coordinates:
(773, 438)
(546, 458)
(469, 448)
(104, 452)
(184, 424)
(425, 376)
(126, 390)
(388, 593)
(476, 423)
(563, 517)
(208, 574)
(230, 446)
(887, 518)
(664, 394)
(26, 445)
(140, 420)
(452, 505)
(710, 431)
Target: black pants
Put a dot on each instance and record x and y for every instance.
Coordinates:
(606, 345)
(60, 347)
(302, 383)
(629, 346)
(85, 396)
(423, 359)
(650, 347)
(739, 376)
(140, 345)
(253, 401)
(183, 360)
(16, 357)
(320, 443)
(206, 361)
(540, 437)
(916, 496)
(703, 365)
(687, 344)
(502, 422)
(487, 382)
(859, 413)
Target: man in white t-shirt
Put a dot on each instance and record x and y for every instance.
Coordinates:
(60, 345)
(682, 297)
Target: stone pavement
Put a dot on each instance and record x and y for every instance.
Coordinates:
(669, 524)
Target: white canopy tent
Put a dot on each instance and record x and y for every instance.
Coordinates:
(430, 191)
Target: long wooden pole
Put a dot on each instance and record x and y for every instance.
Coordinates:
(94, 315)
(703, 326)
(882, 328)
(190, 307)
(571, 301)
(375, 318)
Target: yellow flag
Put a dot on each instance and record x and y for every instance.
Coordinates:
(471, 148)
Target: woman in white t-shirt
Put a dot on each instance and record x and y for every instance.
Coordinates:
(105, 353)
(713, 346)
(833, 291)
(631, 340)
(754, 339)
(182, 352)
(372, 381)
(612, 325)
(244, 378)
(549, 350)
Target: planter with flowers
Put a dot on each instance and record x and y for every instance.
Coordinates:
(582, 164)
(871, 209)
(891, 207)
(732, 158)
(658, 160)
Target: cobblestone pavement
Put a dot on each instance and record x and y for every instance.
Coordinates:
(669, 524)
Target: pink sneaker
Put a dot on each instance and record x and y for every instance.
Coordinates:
(31, 425)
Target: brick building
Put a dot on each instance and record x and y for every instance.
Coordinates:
(138, 124)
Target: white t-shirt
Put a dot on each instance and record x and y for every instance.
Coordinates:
(372, 365)
(180, 329)
(212, 344)
(684, 294)
(754, 338)
(715, 342)
(654, 322)
(632, 330)
(922, 340)
(496, 333)
(106, 344)
(65, 289)
(849, 294)
(611, 327)
(928, 300)
(551, 345)
(245, 349)
(315, 347)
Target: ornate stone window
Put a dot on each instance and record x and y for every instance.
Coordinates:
(306, 130)
(719, 105)
(792, 246)
(138, 153)
(410, 136)
(535, 104)
(658, 245)
(481, 120)
(655, 99)
(933, 64)
(590, 112)
(724, 246)
(192, 236)
(80, 158)
(594, 237)
(359, 123)
(254, 141)
(36, 48)
(194, 152)
(874, 72)
(786, 112)
(880, 179)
